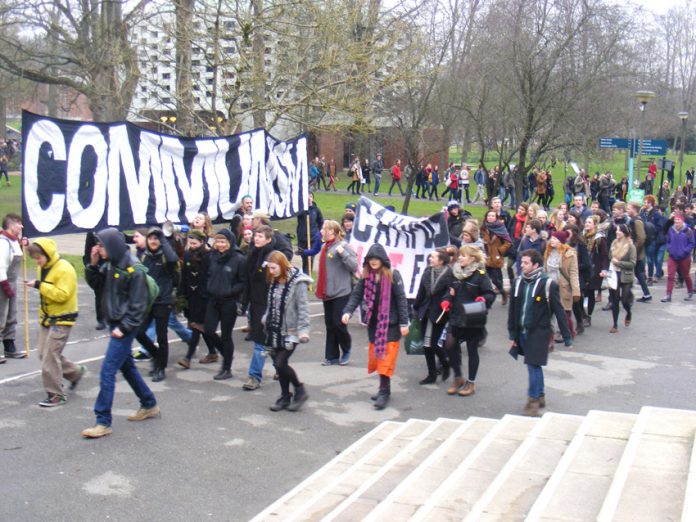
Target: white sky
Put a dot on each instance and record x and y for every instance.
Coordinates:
(659, 6)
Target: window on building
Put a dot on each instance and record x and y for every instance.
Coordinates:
(166, 76)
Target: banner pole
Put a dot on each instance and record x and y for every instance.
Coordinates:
(26, 300)
(309, 245)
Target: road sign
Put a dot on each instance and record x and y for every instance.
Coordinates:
(636, 196)
(651, 147)
(613, 143)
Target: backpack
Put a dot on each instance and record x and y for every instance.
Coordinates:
(152, 286)
(650, 231)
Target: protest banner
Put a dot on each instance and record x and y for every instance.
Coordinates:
(407, 240)
(79, 176)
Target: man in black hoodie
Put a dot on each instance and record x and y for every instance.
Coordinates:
(123, 305)
(162, 263)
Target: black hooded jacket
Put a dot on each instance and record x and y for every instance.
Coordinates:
(227, 277)
(123, 299)
(162, 265)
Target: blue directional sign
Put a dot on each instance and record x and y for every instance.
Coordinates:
(651, 147)
(613, 143)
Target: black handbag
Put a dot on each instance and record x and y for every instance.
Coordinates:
(475, 314)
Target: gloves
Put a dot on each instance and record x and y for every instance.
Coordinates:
(7, 289)
(480, 299)
(445, 306)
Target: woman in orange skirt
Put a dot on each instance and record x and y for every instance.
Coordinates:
(381, 294)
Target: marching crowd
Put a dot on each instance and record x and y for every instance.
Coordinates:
(560, 262)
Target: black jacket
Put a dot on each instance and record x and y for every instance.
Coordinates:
(123, 299)
(163, 266)
(428, 298)
(227, 277)
(194, 283)
(466, 290)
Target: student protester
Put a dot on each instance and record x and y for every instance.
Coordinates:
(396, 178)
(337, 265)
(535, 300)
(530, 240)
(680, 245)
(381, 292)
(309, 223)
(623, 258)
(597, 247)
(639, 237)
(347, 222)
(431, 309)
(577, 241)
(470, 284)
(124, 303)
(90, 241)
(561, 265)
(286, 322)
(377, 168)
(654, 220)
(162, 264)
(497, 241)
(226, 285)
(57, 285)
(194, 289)
(10, 266)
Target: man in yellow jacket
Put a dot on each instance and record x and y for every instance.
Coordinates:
(57, 286)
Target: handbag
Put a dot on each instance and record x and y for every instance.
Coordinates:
(612, 278)
(413, 342)
(475, 314)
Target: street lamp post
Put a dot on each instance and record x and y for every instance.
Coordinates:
(683, 116)
(643, 97)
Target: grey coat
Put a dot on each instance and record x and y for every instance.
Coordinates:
(340, 269)
(296, 320)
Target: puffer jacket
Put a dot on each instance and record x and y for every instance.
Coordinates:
(124, 299)
(57, 285)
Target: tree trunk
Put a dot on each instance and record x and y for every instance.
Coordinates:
(258, 63)
(3, 117)
(184, 81)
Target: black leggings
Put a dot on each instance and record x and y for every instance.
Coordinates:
(454, 349)
(626, 298)
(496, 276)
(286, 374)
(160, 353)
(433, 350)
(579, 308)
(223, 311)
(590, 301)
(193, 343)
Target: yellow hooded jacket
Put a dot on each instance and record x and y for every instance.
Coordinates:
(57, 287)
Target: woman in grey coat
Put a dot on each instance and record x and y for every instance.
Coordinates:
(286, 323)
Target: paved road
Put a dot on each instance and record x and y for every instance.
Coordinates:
(218, 453)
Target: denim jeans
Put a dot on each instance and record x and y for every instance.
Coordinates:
(118, 358)
(180, 330)
(378, 179)
(258, 359)
(655, 255)
(639, 272)
(536, 381)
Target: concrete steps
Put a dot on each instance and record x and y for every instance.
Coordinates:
(604, 466)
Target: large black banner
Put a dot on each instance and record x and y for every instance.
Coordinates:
(79, 176)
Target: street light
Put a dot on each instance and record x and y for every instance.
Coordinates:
(643, 97)
(683, 116)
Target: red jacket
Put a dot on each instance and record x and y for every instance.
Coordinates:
(396, 172)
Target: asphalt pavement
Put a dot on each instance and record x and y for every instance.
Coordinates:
(218, 453)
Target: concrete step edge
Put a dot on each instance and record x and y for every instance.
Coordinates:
(689, 509)
(547, 494)
(611, 501)
(299, 511)
(378, 513)
(456, 476)
(405, 451)
(512, 463)
(302, 485)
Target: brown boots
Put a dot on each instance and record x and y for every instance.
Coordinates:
(461, 387)
(532, 408)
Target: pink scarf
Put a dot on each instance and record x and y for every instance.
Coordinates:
(382, 310)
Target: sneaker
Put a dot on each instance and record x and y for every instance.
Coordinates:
(52, 400)
(210, 358)
(345, 359)
(15, 355)
(689, 297)
(666, 299)
(141, 356)
(74, 384)
(252, 384)
(97, 432)
(330, 362)
(2, 359)
(100, 326)
(645, 299)
(145, 413)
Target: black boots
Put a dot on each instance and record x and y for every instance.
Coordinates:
(282, 403)
(300, 398)
(223, 374)
(382, 399)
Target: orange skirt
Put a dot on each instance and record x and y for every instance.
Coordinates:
(383, 366)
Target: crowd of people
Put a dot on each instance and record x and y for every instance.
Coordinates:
(559, 262)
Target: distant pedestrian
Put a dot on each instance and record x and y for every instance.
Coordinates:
(396, 178)
(10, 266)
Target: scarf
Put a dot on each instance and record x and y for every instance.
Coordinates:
(498, 229)
(521, 219)
(467, 271)
(619, 248)
(277, 299)
(9, 235)
(534, 274)
(321, 279)
(382, 309)
(431, 283)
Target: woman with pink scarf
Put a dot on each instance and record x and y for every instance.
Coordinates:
(380, 293)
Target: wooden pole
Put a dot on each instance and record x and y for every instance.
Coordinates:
(309, 245)
(26, 300)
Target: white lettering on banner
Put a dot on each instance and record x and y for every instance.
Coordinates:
(407, 240)
(41, 132)
(141, 177)
(87, 136)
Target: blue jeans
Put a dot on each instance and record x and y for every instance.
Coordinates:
(118, 358)
(378, 179)
(639, 272)
(536, 381)
(258, 359)
(655, 255)
(180, 330)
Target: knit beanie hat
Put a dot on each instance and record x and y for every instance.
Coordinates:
(561, 235)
